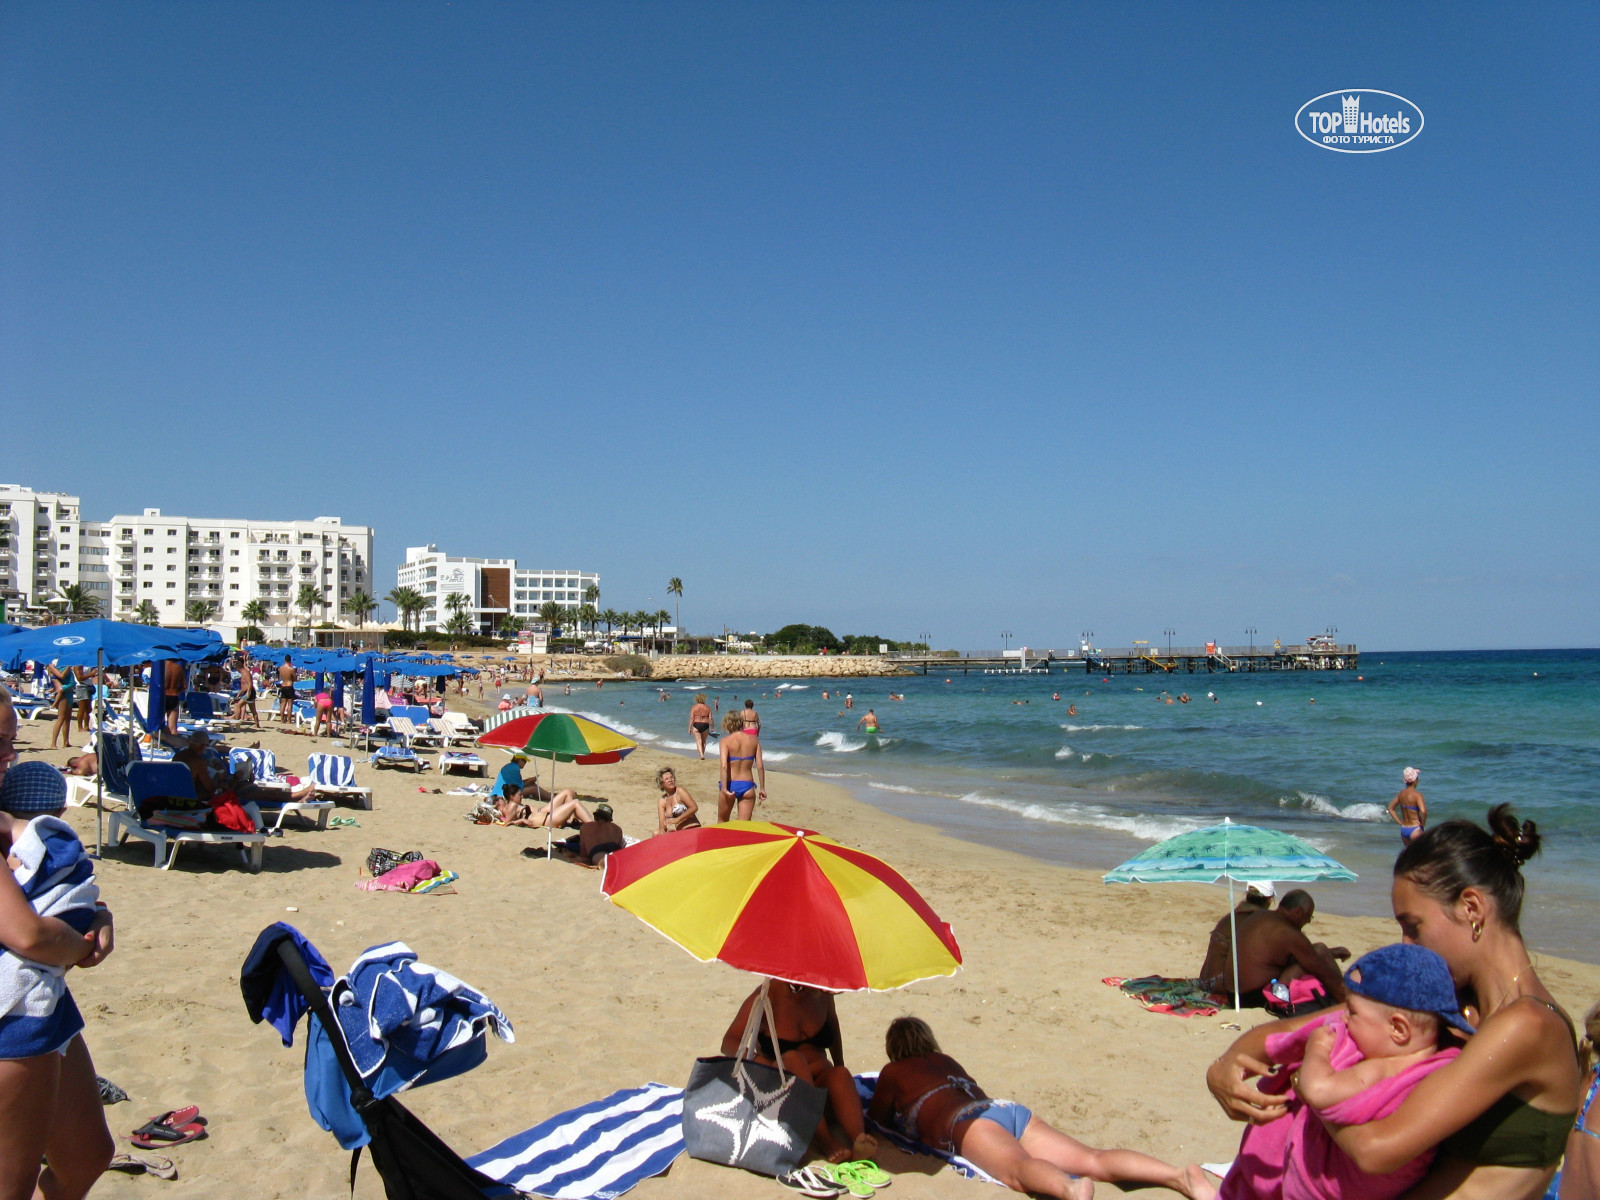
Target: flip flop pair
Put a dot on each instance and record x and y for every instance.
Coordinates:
(860, 1178)
(170, 1129)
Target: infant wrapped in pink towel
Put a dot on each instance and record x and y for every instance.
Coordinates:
(1387, 1039)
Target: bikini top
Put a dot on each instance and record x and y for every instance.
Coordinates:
(1512, 1132)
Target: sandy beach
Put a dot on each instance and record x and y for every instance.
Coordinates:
(601, 1002)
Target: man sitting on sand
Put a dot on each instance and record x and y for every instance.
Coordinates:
(596, 837)
(1272, 946)
(1219, 950)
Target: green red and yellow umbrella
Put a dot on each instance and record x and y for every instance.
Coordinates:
(561, 737)
(786, 903)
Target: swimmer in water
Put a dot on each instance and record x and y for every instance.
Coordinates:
(1055, 695)
(1072, 710)
(868, 723)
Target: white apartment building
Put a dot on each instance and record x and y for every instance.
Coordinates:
(171, 561)
(495, 587)
(42, 550)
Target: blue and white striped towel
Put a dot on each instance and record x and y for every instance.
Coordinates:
(56, 876)
(595, 1152)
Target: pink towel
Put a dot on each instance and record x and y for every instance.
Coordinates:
(402, 878)
(1295, 1158)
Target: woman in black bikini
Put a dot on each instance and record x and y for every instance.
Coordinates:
(808, 1038)
(700, 722)
(1499, 1114)
(930, 1097)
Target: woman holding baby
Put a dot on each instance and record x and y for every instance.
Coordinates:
(50, 1107)
(1497, 1116)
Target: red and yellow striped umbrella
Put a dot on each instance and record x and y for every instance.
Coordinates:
(783, 902)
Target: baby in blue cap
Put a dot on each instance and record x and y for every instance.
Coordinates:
(1355, 1065)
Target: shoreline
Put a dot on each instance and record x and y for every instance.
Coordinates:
(602, 1002)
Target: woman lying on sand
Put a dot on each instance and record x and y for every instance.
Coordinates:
(1499, 1115)
(807, 1036)
(930, 1097)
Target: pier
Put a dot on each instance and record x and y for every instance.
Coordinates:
(1140, 660)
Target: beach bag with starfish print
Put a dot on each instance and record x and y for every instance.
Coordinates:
(743, 1113)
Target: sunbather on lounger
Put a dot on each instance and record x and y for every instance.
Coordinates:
(931, 1098)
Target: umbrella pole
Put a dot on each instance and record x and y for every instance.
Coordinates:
(99, 750)
(1233, 938)
(550, 815)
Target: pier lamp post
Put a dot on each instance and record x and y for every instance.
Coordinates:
(1170, 633)
(926, 639)
(1005, 635)
(1088, 639)
(1251, 634)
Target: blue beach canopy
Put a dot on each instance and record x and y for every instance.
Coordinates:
(369, 695)
(122, 643)
(338, 689)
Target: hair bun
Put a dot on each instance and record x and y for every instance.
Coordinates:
(1518, 840)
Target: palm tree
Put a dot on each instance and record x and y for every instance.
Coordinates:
(147, 613)
(552, 614)
(80, 601)
(610, 616)
(200, 611)
(510, 626)
(591, 594)
(458, 603)
(363, 606)
(309, 597)
(588, 616)
(661, 616)
(407, 603)
(675, 590)
(256, 612)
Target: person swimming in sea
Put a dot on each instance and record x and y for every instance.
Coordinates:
(1408, 808)
(868, 723)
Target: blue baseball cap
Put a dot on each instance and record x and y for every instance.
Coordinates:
(32, 788)
(1407, 976)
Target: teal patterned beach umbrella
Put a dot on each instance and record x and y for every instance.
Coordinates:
(1246, 853)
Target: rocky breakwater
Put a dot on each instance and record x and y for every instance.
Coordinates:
(770, 666)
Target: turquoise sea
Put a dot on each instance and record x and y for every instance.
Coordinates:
(1315, 753)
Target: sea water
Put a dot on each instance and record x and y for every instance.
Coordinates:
(994, 759)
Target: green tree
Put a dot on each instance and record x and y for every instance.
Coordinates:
(408, 602)
(363, 606)
(256, 612)
(200, 611)
(802, 639)
(675, 590)
(459, 622)
(79, 601)
(147, 613)
(510, 626)
(591, 594)
(588, 616)
(610, 616)
(552, 614)
(309, 597)
(661, 616)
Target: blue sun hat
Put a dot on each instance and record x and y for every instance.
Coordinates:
(1411, 977)
(32, 788)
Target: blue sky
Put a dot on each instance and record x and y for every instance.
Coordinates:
(889, 317)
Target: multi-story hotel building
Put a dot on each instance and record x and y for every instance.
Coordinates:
(171, 561)
(43, 548)
(495, 588)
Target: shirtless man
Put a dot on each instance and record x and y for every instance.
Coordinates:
(870, 722)
(245, 701)
(286, 674)
(1412, 814)
(1219, 948)
(174, 681)
(700, 722)
(1272, 946)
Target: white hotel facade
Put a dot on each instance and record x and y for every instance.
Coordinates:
(496, 588)
(171, 561)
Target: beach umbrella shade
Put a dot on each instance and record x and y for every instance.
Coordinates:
(338, 689)
(784, 903)
(1238, 853)
(567, 737)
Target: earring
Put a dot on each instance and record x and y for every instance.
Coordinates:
(1477, 930)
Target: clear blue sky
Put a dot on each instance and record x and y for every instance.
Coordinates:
(889, 317)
